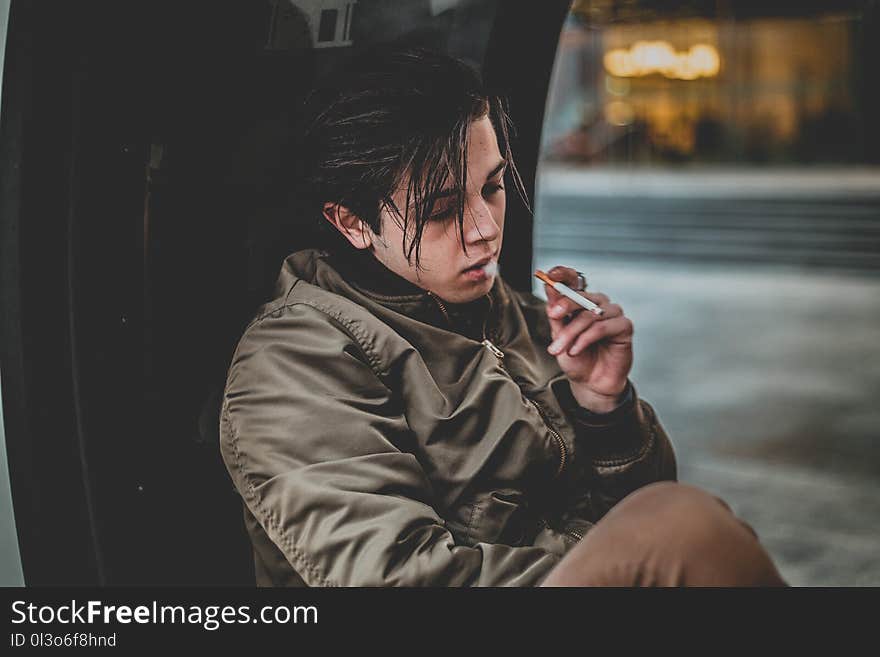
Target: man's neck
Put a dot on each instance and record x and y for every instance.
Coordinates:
(361, 268)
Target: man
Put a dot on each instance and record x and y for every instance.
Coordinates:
(398, 415)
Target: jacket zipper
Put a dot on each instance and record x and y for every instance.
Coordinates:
(568, 532)
(495, 350)
(575, 534)
(442, 306)
(563, 450)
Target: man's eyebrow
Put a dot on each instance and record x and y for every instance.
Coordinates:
(451, 191)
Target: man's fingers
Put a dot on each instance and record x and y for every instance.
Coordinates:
(616, 327)
(555, 317)
(552, 295)
(596, 297)
(567, 318)
(565, 275)
(611, 310)
(560, 306)
(564, 336)
(557, 323)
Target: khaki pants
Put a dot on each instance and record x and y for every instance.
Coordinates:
(667, 534)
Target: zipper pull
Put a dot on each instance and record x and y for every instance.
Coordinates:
(441, 305)
(495, 350)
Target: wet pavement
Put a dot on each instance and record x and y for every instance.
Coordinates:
(767, 380)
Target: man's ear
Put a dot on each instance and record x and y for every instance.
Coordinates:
(349, 224)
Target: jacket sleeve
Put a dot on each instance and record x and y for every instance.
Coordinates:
(626, 449)
(315, 443)
(619, 451)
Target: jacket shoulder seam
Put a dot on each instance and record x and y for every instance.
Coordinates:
(352, 328)
(273, 309)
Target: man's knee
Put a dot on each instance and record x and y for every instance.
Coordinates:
(700, 532)
(671, 493)
(668, 534)
(681, 503)
(681, 509)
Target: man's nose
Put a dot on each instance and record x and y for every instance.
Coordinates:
(480, 225)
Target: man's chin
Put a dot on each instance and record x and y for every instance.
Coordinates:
(470, 291)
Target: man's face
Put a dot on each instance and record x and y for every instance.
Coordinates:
(444, 269)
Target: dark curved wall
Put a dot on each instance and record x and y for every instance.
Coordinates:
(143, 220)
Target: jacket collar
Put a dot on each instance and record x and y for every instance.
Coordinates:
(360, 270)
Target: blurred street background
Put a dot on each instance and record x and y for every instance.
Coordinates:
(714, 169)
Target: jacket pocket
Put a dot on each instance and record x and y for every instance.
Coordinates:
(500, 516)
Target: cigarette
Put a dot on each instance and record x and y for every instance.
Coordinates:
(564, 290)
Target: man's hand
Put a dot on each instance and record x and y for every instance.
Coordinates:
(595, 352)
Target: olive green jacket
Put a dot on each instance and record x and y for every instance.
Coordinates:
(379, 436)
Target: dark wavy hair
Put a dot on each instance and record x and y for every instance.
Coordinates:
(390, 115)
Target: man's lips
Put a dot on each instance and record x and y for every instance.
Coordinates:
(479, 263)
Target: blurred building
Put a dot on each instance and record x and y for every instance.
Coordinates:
(725, 82)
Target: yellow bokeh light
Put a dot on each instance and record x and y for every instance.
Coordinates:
(618, 62)
(659, 57)
(705, 58)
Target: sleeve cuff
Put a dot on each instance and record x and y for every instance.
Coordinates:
(625, 403)
(616, 436)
